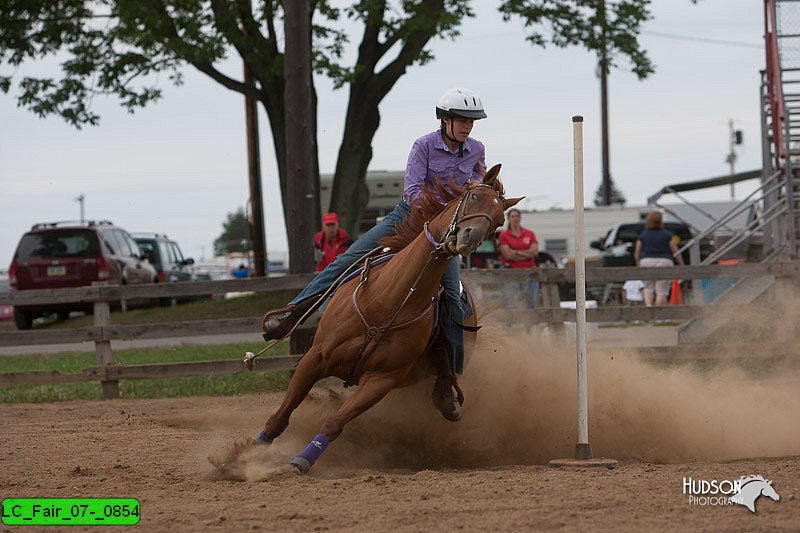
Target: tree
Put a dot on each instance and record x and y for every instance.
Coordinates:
(607, 27)
(617, 196)
(235, 235)
(115, 47)
(583, 22)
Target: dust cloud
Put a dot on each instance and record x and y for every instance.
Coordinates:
(521, 408)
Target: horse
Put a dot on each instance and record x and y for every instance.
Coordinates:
(751, 488)
(375, 334)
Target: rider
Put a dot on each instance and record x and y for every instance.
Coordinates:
(446, 154)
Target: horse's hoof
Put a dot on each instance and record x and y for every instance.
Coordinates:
(300, 464)
(263, 439)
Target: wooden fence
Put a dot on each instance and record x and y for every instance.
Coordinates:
(103, 332)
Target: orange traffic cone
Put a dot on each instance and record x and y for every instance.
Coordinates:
(675, 295)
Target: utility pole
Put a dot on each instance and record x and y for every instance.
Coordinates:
(300, 139)
(256, 219)
(80, 200)
(604, 104)
(258, 239)
(734, 138)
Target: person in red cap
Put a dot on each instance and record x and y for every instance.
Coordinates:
(331, 241)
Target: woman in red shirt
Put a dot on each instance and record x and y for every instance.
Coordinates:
(518, 249)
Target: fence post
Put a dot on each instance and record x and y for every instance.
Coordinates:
(697, 288)
(102, 348)
(551, 299)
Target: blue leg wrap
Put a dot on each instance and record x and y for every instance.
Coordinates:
(305, 459)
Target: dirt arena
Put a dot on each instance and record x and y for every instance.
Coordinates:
(402, 467)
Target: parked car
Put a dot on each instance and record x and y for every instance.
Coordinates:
(166, 257)
(616, 248)
(6, 311)
(56, 255)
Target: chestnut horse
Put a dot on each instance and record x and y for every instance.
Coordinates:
(375, 333)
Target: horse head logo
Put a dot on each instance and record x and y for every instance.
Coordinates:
(751, 488)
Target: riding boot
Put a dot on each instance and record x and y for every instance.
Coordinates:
(279, 322)
(444, 398)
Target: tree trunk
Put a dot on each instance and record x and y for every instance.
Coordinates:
(273, 103)
(350, 193)
(300, 138)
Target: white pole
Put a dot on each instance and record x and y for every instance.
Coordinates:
(580, 281)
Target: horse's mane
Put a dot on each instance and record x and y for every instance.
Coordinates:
(431, 201)
(747, 479)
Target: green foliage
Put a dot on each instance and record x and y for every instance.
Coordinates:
(235, 235)
(617, 196)
(580, 22)
(116, 47)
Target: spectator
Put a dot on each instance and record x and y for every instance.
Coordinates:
(242, 272)
(518, 249)
(632, 292)
(331, 241)
(656, 247)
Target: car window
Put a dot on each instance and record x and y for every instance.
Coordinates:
(132, 245)
(148, 250)
(177, 252)
(166, 253)
(119, 240)
(77, 243)
(628, 233)
(486, 247)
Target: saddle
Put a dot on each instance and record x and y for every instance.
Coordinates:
(467, 303)
(437, 346)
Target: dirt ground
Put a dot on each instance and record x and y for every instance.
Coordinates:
(402, 467)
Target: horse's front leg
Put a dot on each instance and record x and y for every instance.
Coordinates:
(371, 389)
(308, 372)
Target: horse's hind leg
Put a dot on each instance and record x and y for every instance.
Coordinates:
(370, 391)
(307, 373)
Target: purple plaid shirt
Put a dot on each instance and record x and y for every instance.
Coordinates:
(431, 160)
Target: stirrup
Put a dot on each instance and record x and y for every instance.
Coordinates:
(277, 327)
(276, 324)
(269, 314)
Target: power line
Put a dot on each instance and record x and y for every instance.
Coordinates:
(702, 39)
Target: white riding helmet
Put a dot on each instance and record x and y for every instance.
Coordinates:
(460, 102)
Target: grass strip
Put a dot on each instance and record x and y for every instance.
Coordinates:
(73, 362)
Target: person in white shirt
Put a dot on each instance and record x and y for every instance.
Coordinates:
(632, 291)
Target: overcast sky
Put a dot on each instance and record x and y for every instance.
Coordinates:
(179, 166)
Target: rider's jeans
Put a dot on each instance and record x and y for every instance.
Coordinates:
(455, 335)
(368, 242)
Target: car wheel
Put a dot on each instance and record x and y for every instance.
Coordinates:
(23, 319)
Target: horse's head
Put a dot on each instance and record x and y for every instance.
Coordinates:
(479, 212)
(768, 491)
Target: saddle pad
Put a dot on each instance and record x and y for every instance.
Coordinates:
(381, 259)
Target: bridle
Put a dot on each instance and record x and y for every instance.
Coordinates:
(448, 236)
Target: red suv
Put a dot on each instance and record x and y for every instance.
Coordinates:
(55, 255)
